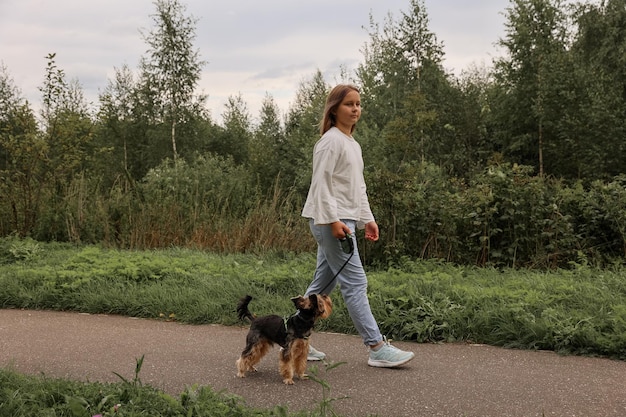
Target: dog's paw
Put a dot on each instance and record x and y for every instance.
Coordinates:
(241, 374)
(303, 376)
(288, 381)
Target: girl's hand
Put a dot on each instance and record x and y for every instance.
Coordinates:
(371, 231)
(340, 230)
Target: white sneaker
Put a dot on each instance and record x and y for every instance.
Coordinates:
(389, 356)
(315, 355)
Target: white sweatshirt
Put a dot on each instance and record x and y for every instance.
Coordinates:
(337, 185)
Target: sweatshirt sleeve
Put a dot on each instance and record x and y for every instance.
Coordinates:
(366, 215)
(321, 204)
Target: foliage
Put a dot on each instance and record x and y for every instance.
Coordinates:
(579, 310)
(504, 217)
(14, 249)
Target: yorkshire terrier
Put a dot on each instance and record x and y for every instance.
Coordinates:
(290, 333)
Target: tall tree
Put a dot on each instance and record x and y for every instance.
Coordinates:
(267, 139)
(396, 60)
(40, 161)
(302, 130)
(117, 120)
(408, 99)
(172, 69)
(11, 105)
(67, 124)
(22, 152)
(68, 132)
(235, 139)
(599, 118)
(532, 77)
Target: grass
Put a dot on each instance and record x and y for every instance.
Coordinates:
(581, 310)
(25, 396)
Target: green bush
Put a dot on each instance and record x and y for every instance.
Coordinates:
(504, 217)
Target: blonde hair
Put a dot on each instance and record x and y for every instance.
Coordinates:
(334, 99)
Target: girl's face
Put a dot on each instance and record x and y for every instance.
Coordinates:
(348, 112)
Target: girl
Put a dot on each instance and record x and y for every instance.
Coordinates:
(336, 206)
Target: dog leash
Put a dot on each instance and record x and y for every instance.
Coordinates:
(350, 244)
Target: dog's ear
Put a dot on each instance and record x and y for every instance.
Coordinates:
(297, 301)
(314, 301)
(324, 305)
(318, 304)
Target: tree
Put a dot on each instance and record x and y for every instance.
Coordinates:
(40, 161)
(267, 139)
(598, 119)
(22, 151)
(68, 132)
(235, 138)
(411, 108)
(532, 79)
(67, 124)
(12, 105)
(172, 69)
(117, 120)
(302, 130)
(466, 123)
(396, 61)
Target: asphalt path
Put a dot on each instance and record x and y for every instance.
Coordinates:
(443, 379)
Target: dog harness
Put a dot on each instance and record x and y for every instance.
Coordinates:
(286, 319)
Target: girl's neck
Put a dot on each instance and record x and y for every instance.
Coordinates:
(346, 130)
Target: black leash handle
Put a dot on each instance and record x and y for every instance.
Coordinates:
(347, 245)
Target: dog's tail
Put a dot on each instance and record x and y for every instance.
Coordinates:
(242, 309)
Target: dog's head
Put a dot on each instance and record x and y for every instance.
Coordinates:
(320, 305)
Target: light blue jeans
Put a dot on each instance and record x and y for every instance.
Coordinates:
(352, 279)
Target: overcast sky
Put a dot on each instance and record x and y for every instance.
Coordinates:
(252, 47)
